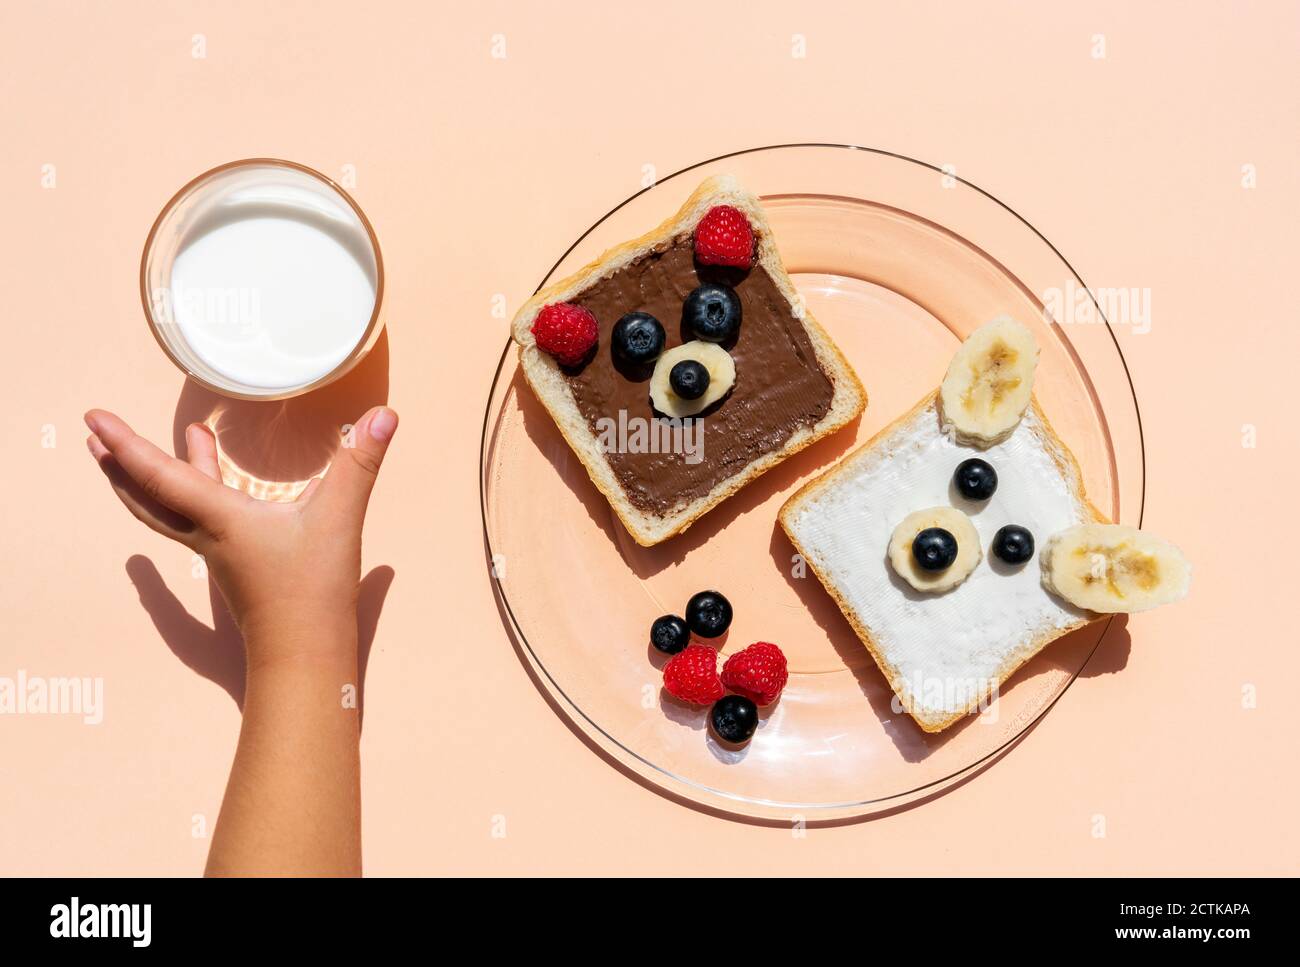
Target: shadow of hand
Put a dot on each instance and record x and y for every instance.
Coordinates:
(217, 652)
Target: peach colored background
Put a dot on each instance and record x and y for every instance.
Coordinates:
(477, 173)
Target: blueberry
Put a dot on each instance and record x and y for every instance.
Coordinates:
(669, 634)
(975, 479)
(638, 337)
(1013, 544)
(734, 718)
(934, 549)
(712, 312)
(689, 379)
(708, 613)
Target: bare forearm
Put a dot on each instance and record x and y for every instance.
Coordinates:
(293, 803)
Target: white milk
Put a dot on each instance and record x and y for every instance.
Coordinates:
(274, 294)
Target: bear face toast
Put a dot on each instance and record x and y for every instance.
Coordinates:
(681, 365)
(889, 532)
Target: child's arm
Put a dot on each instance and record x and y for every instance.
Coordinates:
(289, 573)
(293, 803)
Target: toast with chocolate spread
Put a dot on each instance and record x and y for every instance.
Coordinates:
(682, 364)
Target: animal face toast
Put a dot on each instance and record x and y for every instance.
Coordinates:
(703, 372)
(925, 537)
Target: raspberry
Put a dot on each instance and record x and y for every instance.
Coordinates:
(724, 237)
(565, 331)
(692, 676)
(758, 672)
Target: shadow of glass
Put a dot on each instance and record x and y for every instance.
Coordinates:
(271, 449)
(217, 652)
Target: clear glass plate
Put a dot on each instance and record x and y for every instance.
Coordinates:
(898, 261)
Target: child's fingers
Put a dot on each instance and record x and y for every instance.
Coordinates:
(163, 479)
(149, 512)
(201, 450)
(347, 484)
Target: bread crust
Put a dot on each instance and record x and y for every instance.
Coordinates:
(552, 389)
(1069, 467)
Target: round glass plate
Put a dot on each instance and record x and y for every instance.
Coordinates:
(898, 261)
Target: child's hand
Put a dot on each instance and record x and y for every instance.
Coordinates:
(269, 559)
(289, 573)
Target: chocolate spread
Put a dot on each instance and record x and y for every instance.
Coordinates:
(780, 386)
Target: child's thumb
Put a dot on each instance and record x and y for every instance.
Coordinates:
(352, 474)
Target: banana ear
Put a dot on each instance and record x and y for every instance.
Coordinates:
(1111, 569)
(989, 383)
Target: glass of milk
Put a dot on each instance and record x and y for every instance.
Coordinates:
(262, 279)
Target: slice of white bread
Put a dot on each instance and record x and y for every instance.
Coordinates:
(550, 384)
(945, 654)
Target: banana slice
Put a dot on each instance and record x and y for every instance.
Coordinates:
(955, 523)
(989, 383)
(715, 359)
(1110, 568)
